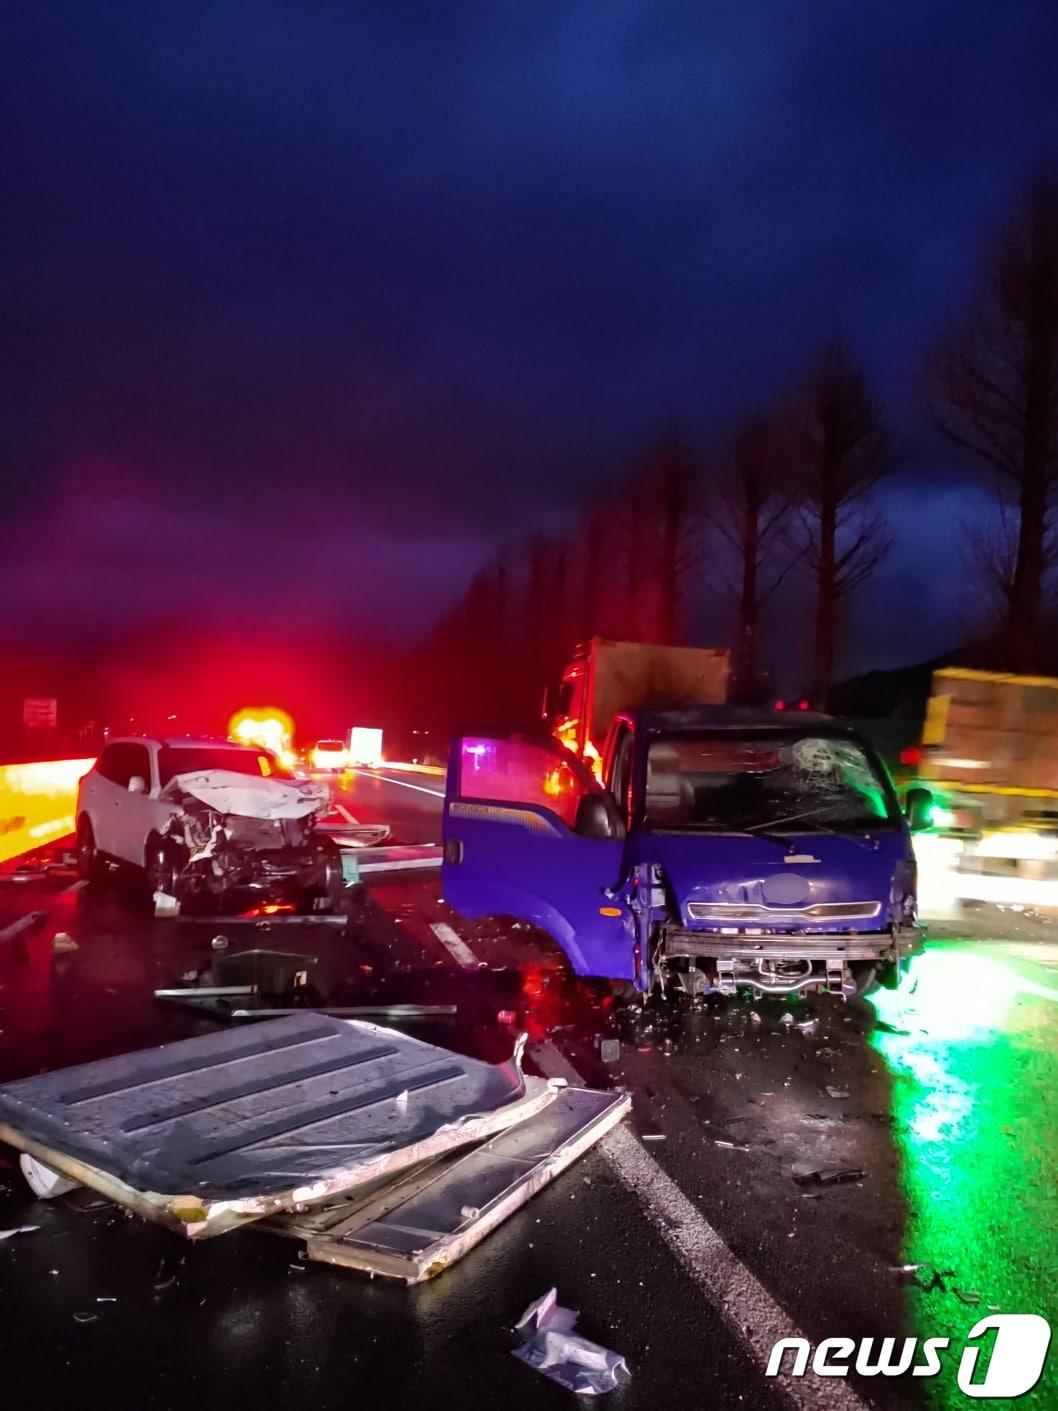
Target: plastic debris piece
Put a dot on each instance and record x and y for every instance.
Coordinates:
(42, 1180)
(18, 1230)
(506, 1016)
(754, 1017)
(806, 1175)
(610, 1050)
(808, 1026)
(86, 1317)
(967, 1296)
(62, 943)
(835, 1092)
(165, 905)
(219, 943)
(554, 1349)
(786, 1018)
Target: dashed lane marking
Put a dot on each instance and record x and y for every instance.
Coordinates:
(742, 1302)
(403, 783)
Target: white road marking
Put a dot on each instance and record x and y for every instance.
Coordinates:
(455, 945)
(743, 1303)
(341, 808)
(419, 788)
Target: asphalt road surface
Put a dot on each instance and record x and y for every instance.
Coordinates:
(685, 1240)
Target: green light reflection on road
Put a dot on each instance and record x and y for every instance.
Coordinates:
(975, 1084)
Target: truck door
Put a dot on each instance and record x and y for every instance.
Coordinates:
(518, 842)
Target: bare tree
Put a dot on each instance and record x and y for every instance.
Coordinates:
(842, 450)
(751, 508)
(992, 386)
(664, 533)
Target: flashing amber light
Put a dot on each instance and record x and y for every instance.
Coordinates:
(265, 726)
(609, 911)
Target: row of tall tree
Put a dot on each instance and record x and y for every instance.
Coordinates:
(792, 491)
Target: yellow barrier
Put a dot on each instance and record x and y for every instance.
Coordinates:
(37, 803)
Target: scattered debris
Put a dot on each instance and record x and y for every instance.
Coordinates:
(553, 1348)
(731, 1146)
(835, 1092)
(610, 1050)
(32, 921)
(754, 1017)
(808, 1026)
(18, 1230)
(45, 1183)
(86, 1317)
(423, 1222)
(653, 1136)
(165, 1130)
(925, 1276)
(968, 1296)
(805, 1174)
(219, 943)
(62, 943)
(165, 905)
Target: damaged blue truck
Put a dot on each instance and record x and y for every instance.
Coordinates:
(712, 849)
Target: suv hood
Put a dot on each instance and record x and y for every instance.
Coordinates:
(250, 795)
(813, 869)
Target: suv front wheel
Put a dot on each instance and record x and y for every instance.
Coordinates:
(164, 864)
(89, 862)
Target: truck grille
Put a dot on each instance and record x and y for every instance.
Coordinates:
(729, 912)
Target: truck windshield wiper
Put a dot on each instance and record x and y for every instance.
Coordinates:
(772, 827)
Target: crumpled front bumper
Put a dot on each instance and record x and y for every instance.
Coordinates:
(847, 946)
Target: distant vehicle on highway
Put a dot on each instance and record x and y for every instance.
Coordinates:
(329, 754)
(208, 819)
(723, 849)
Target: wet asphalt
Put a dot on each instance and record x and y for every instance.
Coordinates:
(930, 1114)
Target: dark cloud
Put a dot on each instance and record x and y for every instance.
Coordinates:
(430, 265)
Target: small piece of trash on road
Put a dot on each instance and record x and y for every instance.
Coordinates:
(653, 1136)
(219, 943)
(62, 943)
(554, 1349)
(835, 1092)
(806, 1175)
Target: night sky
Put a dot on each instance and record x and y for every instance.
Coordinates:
(309, 307)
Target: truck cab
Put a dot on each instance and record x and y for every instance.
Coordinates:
(722, 849)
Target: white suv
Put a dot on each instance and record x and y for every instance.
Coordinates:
(131, 807)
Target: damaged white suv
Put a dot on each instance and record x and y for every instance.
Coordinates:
(207, 820)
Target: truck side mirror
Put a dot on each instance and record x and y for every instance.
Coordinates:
(918, 804)
(597, 817)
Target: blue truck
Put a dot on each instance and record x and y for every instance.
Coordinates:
(717, 849)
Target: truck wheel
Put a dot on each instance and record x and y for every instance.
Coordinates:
(90, 864)
(864, 978)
